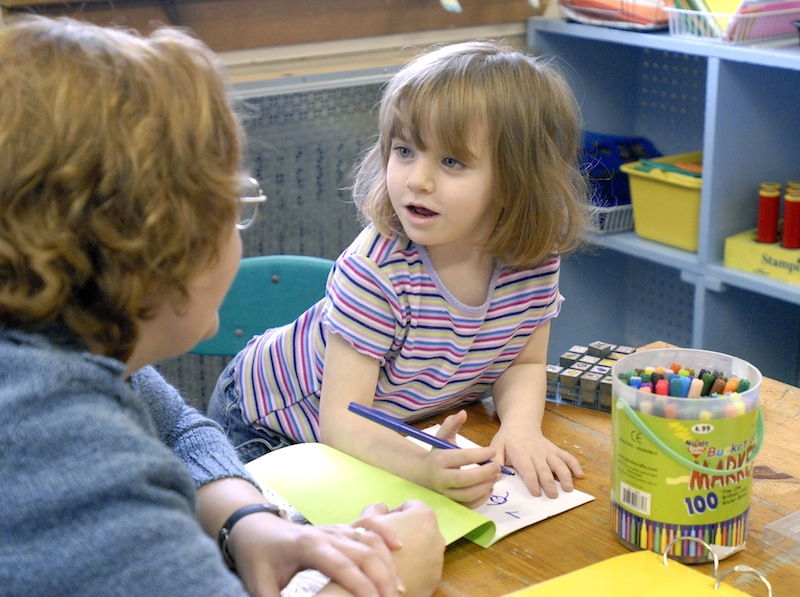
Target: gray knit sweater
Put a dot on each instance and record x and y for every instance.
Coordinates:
(98, 477)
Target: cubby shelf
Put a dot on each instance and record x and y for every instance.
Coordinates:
(737, 104)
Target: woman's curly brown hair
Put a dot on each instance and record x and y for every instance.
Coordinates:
(119, 174)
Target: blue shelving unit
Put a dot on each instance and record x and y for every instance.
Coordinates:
(736, 103)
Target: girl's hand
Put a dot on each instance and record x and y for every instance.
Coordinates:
(470, 485)
(538, 461)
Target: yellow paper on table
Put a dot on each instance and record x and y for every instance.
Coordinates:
(330, 487)
(635, 574)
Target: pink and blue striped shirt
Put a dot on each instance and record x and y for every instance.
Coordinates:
(385, 299)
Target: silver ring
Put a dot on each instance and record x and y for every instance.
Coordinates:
(358, 533)
(747, 569)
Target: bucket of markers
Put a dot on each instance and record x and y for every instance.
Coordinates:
(686, 428)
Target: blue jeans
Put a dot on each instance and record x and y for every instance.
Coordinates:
(224, 407)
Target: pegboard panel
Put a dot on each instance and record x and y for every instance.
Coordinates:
(658, 305)
(671, 95)
(302, 147)
(620, 299)
(628, 90)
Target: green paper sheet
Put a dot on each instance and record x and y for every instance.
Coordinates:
(331, 487)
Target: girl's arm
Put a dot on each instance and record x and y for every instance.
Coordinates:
(351, 376)
(519, 398)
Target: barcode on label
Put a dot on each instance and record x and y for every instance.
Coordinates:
(634, 499)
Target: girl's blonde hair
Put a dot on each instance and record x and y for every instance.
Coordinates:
(534, 124)
(119, 176)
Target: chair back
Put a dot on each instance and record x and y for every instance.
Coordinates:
(268, 291)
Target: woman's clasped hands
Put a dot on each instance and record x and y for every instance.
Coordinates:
(385, 552)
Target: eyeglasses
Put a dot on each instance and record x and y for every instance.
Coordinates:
(251, 195)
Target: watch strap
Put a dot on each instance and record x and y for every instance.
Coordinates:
(224, 533)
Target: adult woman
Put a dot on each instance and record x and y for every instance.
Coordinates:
(118, 241)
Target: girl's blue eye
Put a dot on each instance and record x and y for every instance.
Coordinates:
(451, 162)
(402, 151)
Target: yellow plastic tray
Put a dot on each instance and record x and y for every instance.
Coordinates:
(666, 205)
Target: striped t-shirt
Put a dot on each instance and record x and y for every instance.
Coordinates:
(384, 297)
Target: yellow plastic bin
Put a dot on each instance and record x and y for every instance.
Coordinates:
(666, 205)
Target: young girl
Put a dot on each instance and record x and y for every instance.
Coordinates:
(118, 240)
(469, 196)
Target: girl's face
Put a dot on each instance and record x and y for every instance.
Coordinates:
(442, 202)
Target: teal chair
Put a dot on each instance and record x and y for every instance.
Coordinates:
(268, 291)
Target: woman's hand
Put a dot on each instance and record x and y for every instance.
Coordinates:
(269, 551)
(459, 474)
(412, 532)
(384, 552)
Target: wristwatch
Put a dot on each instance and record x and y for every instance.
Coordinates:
(224, 533)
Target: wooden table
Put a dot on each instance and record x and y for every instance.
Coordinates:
(583, 536)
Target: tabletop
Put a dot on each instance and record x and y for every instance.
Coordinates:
(583, 536)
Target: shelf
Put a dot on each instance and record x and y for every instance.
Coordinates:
(732, 102)
(763, 285)
(631, 244)
(784, 53)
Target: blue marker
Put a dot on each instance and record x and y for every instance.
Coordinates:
(686, 383)
(398, 425)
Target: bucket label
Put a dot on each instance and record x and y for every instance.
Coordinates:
(654, 484)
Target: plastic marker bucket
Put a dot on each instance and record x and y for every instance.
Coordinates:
(683, 467)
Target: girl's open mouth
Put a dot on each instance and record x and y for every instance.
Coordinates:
(421, 211)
